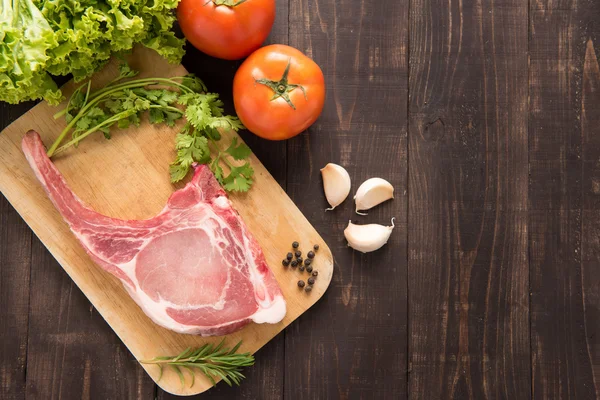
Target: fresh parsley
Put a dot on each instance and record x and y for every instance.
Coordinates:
(123, 101)
(200, 135)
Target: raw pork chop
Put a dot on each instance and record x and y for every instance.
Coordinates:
(194, 268)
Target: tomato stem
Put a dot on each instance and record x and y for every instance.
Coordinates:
(282, 88)
(228, 3)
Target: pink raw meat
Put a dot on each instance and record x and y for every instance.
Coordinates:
(194, 268)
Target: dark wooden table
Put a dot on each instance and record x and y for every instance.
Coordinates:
(485, 115)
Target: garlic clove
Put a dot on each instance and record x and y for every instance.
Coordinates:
(336, 183)
(372, 192)
(367, 238)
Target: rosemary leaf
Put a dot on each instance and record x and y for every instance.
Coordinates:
(180, 374)
(223, 377)
(235, 348)
(200, 353)
(182, 355)
(192, 373)
(219, 346)
(161, 371)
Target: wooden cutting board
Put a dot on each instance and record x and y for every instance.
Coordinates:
(127, 177)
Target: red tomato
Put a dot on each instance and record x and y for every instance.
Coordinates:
(278, 92)
(228, 29)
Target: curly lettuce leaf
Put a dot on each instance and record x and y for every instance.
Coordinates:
(42, 37)
(25, 38)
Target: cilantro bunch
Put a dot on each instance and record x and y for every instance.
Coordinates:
(200, 135)
(43, 37)
(123, 102)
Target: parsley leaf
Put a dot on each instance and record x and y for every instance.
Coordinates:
(239, 178)
(177, 172)
(183, 140)
(167, 98)
(156, 115)
(125, 71)
(190, 148)
(218, 171)
(238, 152)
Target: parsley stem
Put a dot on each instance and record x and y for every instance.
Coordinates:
(98, 97)
(125, 85)
(109, 121)
(146, 81)
(61, 112)
(168, 108)
(82, 112)
(220, 153)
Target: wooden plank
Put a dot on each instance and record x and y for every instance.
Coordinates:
(590, 242)
(353, 344)
(563, 199)
(468, 269)
(15, 249)
(133, 183)
(15, 255)
(265, 379)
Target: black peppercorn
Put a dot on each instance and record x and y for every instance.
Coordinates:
(308, 288)
(311, 254)
(285, 263)
(295, 245)
(301, 284)
(299, 259)
(309, 269)
(316, 247)
(294, 263)
(289, 256)
(301, 268)
(311, 281)
(315, 273)
(307, 262)
(298, 253)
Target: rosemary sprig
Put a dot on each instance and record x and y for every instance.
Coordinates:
(213, 361)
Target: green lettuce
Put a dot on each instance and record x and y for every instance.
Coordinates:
(25, 38)
(40, 38)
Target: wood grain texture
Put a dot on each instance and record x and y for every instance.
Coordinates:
(474, 222)
(354, 343)
(133, 184)
(467, 225)
(590, 243)
(15, 257)
(564, 176)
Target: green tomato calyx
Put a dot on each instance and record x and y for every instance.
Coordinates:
(282, 88)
